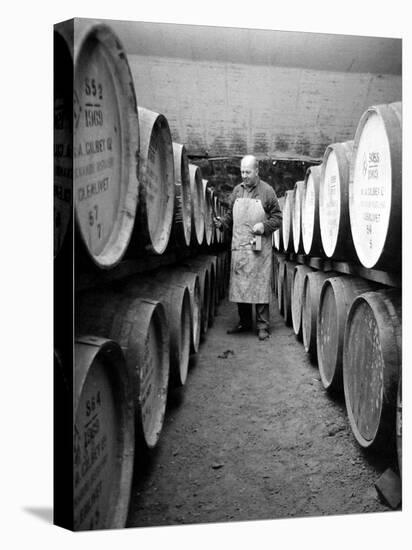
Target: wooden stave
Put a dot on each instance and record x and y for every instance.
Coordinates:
(297, 217)
(287, 291)
(202, 270)
(145, 238)
(281, 276)
(209, 261)
(112, 314)
(175, 299)
(198, 206)
(182, 220)
(345, 289)
(388, 304)
(297, 292)
(89, 349)
(344, 248)
(309, 310)
(191, 280)
(287, 222)
(223, 276)
(87, 33)
(212, 259)
(391, 115)
(315, 248)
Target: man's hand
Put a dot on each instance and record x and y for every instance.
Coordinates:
(218, 223)
(258, 228)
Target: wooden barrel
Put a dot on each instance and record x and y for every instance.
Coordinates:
(141, 329)
(212, 260)
(399, 423)
(208, 213)
(287, 291)
(209, 262)
(287, 222)
(334, 202)
(63, 141)
(157, 185)
(375, 188)
(104, 442)
(312, 287)
(175, 298)
(106, 146)
(372, 356)
(336, 297)
(311, 238)
(297, 297)
(198, 204)
(202, 270)
(182, 221)
(297, 217)
(279, 285)
(189, 279)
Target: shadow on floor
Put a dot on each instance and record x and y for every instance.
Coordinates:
(43, 513)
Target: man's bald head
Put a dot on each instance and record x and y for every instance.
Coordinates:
(249, 160)
(249, 169)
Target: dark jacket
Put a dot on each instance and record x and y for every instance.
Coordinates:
(267, 195)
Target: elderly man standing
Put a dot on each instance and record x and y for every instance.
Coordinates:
(253, 210)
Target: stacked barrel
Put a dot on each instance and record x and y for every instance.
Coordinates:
(338, 269)
(136, 196)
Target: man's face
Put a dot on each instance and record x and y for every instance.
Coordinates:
(249, 171)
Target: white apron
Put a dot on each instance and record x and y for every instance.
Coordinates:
(250, 271)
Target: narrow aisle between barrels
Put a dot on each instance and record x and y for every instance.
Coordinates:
(252, 435)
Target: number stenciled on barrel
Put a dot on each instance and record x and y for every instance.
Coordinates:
(91, 431)
(92, 113)
(93, 219)
(93, 88)
(93, 403)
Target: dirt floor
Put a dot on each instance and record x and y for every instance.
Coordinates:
(253, 435)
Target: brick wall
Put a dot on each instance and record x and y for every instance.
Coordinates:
(220, 109)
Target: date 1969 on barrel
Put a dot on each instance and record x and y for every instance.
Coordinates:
(93, 113)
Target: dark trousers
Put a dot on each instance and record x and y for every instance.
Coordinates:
(262, 315)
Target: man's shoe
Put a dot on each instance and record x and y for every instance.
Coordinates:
(238, 328)
(263, 334)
